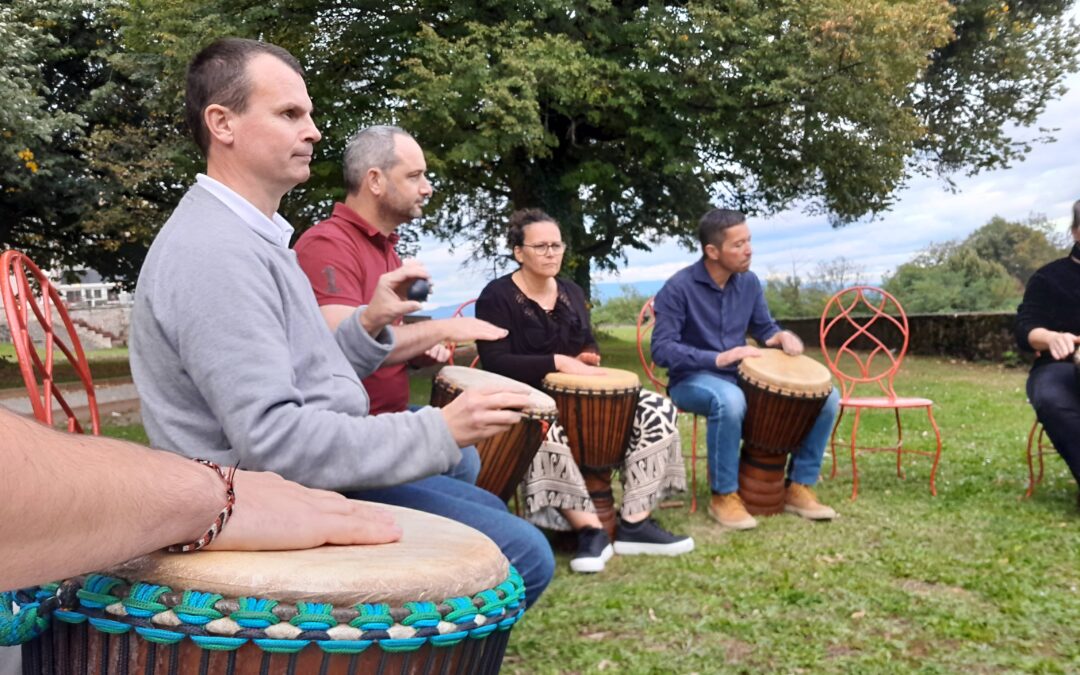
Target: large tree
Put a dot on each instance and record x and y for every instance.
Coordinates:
(625, 120)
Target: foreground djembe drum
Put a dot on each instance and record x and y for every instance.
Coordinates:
(784, 395)
(597, 412)
(442, 599)
(505, 457)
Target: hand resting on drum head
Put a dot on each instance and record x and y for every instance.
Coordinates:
(735, 355)
(272, 514)
(479, 413)
(578, 365)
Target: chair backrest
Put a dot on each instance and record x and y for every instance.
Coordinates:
(864, 337)
(460, 311)
(646, 321)
(18, 278)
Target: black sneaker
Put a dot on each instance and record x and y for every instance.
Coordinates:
(593, 550)
(648, 538)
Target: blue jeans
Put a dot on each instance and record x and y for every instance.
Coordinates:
(724, 406)
(524, 545)
(1055, 394)
(468, 469)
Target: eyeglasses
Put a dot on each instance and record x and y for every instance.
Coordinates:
(544, 249)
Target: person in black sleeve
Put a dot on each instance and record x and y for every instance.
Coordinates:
(1048, 322)
(549, 331)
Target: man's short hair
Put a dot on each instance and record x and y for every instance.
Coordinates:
(218, 75)
(1076, 217)
(371, 148)
(712, 226)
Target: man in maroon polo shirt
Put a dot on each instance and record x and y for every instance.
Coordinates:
(344, 256)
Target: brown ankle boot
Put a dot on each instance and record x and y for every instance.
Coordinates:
(802, 501)
(728, 510)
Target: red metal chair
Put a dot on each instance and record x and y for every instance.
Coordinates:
(857, 326)
(460, 311)
(646, 321)
(18, 278)
(1040, 444)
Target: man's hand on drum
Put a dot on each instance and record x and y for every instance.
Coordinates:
(467, 329)
(589, 358)
(736, 354)
(576, 365)
(388, 301)
(272, 513)
(788, 341)
(480, 413)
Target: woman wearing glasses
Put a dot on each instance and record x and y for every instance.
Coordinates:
(549, 331)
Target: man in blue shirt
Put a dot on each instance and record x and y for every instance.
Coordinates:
(703, 314)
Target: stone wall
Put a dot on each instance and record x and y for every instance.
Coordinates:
(971, 336)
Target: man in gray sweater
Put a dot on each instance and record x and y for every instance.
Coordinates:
(230, 352)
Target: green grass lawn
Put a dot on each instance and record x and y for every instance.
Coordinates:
(105, 364)
(973, 580)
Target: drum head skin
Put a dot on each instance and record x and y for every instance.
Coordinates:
(783, 374)
(435, 559)
(613, 379)
(460, 378)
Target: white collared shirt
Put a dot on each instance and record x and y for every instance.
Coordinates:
(275, 230)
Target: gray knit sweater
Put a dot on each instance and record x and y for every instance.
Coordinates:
(234, 362)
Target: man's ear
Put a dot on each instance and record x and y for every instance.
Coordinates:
(376, 181)
(712, 251)
(218, 120)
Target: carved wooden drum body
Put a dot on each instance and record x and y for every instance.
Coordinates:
(784, 395)
(505, 457)
(597, 413)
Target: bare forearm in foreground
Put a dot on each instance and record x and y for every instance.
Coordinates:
(73, 504)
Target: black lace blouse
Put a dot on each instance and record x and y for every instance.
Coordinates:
(528, 353)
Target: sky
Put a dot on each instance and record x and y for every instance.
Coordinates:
(926, 211)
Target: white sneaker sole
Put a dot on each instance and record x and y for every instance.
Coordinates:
(641, 548)
(809, 515)
(592, 565)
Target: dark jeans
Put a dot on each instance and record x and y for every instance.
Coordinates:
(524, 545)
(1055, 394)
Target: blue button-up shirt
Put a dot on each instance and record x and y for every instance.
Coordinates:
(696, 320)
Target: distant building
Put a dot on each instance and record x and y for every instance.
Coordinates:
(92, 291)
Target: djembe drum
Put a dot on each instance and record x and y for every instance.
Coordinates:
(597, 413)
(784, 395)
(505, 457)
(442, 599)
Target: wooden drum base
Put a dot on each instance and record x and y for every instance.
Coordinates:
(761, 482)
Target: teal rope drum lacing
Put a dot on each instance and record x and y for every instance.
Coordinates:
(163, 616)
(17, 627)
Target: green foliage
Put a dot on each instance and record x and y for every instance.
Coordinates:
(953, 278)
(795, 297)
(1021, 248)
(985, 272)
(621, 310)
(624, 120)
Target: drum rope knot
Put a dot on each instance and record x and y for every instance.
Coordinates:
(160, 615)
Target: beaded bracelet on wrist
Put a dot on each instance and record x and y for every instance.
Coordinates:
(222, 518)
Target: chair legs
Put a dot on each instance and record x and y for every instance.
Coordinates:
(693, 467)
(1034, 480)
(898, 449)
